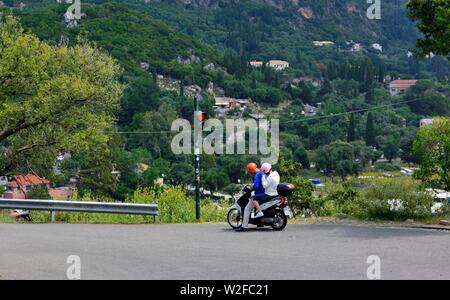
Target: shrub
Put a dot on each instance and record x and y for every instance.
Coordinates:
(396, 199)
(177, 207)
(387, 167)
(302, 199)
(344, 198)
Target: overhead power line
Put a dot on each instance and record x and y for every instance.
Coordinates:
(353, 111)
(305, 119)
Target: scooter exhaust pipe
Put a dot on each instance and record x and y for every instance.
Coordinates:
(267, 220)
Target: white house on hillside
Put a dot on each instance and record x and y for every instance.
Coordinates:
(278, 64)
(256, 63)
(323, 43)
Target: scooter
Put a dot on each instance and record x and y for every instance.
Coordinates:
(276, 210)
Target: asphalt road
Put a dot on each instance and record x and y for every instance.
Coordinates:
(216, 252)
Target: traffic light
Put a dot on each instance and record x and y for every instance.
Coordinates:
(202, 117)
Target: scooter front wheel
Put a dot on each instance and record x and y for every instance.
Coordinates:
(234, 218)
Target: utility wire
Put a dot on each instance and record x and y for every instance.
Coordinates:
(353, 111)
(305, 119)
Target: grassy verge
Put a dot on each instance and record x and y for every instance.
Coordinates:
(5, 218)
(173, 204)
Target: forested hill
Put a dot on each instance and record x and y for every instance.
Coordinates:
(286, 29)
(158, 31)
(340, 20)
(129, 36)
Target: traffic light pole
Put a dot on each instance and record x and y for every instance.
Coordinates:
(197, 141)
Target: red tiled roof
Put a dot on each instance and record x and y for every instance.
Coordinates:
(402, 83)
(27, 180)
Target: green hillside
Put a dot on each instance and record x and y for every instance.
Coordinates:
(129, 36)
(354, 110)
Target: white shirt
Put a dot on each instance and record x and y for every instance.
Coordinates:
(270, 183)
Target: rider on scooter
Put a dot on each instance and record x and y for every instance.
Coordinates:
(269, 180)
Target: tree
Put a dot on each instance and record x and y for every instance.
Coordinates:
(370, 95)
(406, 144)
(433, 20)
(362, 152)
(160, 168)
(232, 189)
(131, 174)
(370, 130)
(436, 102)
(338, 158)
(234, 166)
(390, 148)
(52, 98)
(39, 192)
(432, 145)
(181, 93)
(320, 135)
(301, 156)
(351, 135)
(156, 126)
(215, 179)
(325, 89)
(142, 95)
(332, 105)
(254, 82)
(306, 94)
(181, 173)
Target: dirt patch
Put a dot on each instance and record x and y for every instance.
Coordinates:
(306, 12)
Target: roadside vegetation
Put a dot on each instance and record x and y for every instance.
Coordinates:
(90, 91)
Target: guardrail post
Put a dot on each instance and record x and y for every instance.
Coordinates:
(155, 218)
(52, 216)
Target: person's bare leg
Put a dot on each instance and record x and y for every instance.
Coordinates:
(256, 205)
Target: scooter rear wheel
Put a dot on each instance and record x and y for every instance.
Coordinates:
(282, 220)
(234, 218)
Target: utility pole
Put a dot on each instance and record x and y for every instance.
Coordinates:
(197, 141)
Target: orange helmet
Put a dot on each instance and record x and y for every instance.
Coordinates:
(251, 168)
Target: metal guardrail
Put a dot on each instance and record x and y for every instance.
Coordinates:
(81, 206)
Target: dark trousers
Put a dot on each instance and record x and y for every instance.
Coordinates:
(262, 198)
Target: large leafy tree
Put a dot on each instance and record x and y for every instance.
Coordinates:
(52, 99)
(433, 20)
(338, 158)
(215, 179)
(433, 147)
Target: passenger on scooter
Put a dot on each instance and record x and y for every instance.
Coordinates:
(270, 182)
